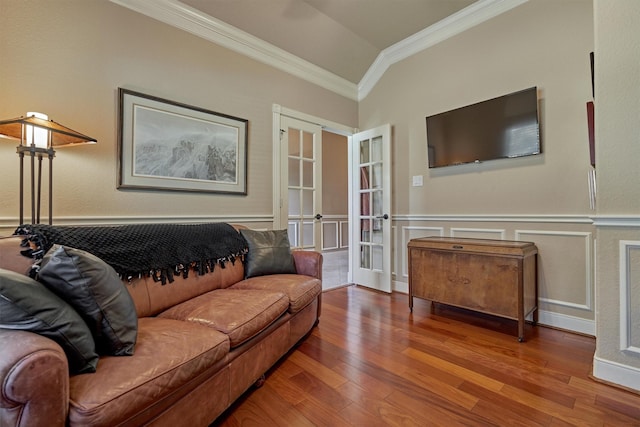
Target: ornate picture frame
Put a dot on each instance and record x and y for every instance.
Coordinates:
(169, 146)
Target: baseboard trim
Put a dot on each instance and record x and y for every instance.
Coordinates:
(616, 373)
(566, 322)
(401, 287)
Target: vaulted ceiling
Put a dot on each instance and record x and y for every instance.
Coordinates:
(342, 45)
(341, 36)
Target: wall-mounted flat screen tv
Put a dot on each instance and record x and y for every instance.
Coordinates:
(502, 127)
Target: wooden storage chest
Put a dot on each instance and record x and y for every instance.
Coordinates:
(497, 277)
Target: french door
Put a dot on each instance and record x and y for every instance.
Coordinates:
(370, 203)
(301, 181)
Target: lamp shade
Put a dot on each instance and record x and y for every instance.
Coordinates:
(36, 135)
(60, 135)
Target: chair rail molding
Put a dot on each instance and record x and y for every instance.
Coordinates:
(576, 219)
(12, 223)
(616, 221)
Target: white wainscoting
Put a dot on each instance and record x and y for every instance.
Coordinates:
(629, 311)
(566, 259)
(344, 234)
(335, 232)
(583, 243)
(478, 233)
(330, 235)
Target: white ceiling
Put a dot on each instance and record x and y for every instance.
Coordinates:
(341, 45)
(341, 36)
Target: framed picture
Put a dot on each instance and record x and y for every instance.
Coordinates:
(166, 145)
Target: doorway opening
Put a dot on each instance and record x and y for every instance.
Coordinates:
(311, 188)
(335, 210)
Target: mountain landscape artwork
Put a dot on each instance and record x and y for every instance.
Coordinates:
(179, 147)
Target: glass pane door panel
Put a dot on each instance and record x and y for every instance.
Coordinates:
(304, 189)
(294, 142)
(364, 151)
(294, 202)
(307, 145)
(294, 172)
(376, 149)
(292, 231)
(365, 204)
(307, 202)
(376, 233)
(365, 234)
(376, 205)
(371, 257)
(364, 178)
(307, 174)
(365, 257)
(376, 175)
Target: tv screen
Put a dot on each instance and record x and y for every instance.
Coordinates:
(498, 128)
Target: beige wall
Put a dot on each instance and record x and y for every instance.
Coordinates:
(617, 100)
(540, 43)
(335, 183)
(335, 192)
(67, 58)
(543, 198)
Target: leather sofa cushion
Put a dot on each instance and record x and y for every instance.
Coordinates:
(300, 290)
(29, 306)
(95, 291)
(152, 298)
(269, 252)
(169, 353)
(240, 314)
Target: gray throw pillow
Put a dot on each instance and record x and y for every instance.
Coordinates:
(269, 253)
(27, 305)
(97, 293)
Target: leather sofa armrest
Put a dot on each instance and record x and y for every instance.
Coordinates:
(308, 263)
(10, 256)
(34, 376)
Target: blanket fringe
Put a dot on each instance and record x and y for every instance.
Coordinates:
(131, 250)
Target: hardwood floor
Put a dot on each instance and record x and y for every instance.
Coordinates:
(370, 362)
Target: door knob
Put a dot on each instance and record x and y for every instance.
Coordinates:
(318, 216)
(385, 216)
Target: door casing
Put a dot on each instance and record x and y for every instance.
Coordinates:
(330, 126)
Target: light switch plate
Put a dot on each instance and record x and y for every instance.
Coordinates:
(417, 180)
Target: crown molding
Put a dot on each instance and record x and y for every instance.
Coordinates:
(470, 16)
(186, 18)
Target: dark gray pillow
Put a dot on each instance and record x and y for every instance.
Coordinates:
(269, 253)
(26, 305)
(97, 293)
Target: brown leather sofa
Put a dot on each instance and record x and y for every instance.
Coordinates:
(183, 372)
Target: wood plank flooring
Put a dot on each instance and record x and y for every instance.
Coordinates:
(371, 362)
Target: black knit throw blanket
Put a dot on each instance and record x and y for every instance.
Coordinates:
(156, 250)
